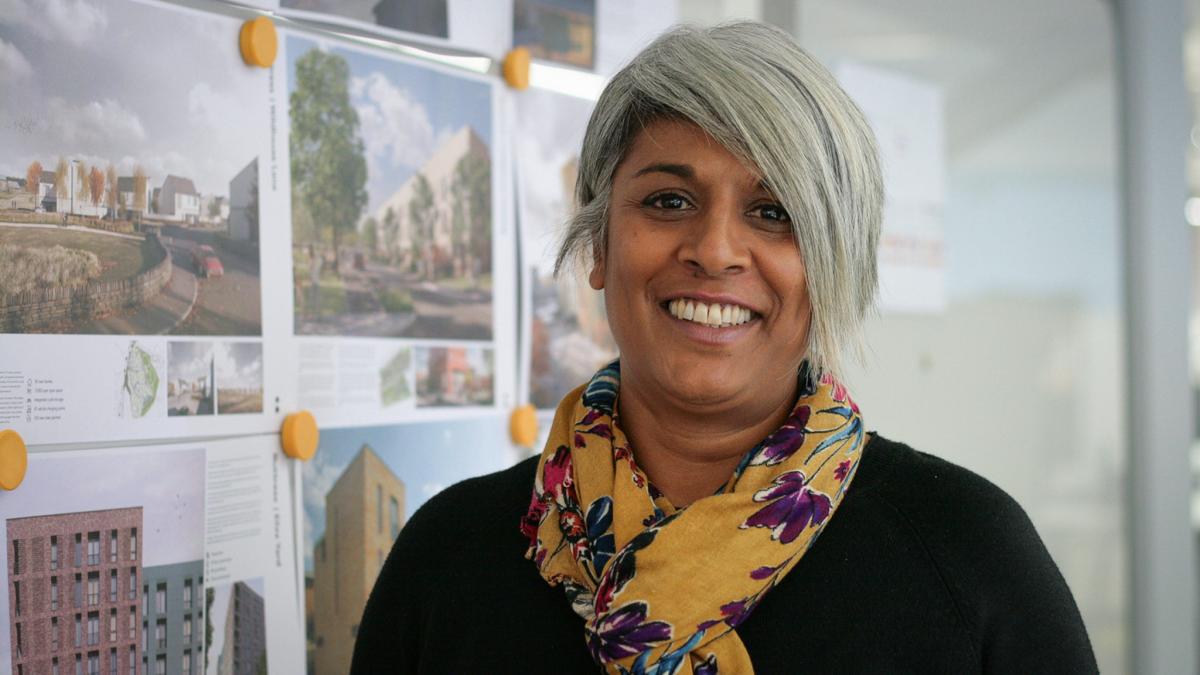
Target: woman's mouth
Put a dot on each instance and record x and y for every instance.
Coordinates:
(715, 315)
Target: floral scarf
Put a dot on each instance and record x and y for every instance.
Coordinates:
(662, 589)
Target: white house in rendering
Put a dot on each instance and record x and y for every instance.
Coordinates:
(178, 199)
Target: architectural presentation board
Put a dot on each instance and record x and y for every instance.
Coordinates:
(120, 556)
(135, 300)
(402, 248)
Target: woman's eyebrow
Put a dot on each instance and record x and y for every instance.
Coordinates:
(681, 170)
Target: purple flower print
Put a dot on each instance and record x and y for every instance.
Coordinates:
(793, 506)
(732, 613)
(764, 572)
(784, 441)
(625, 632)
(736, 612)
(842, 470)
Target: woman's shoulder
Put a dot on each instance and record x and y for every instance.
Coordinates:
(930, 490)
(964, 520)
(985, 549)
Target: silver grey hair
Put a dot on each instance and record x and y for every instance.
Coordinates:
(754, 90)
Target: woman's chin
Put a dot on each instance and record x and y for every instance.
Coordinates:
(705, 383)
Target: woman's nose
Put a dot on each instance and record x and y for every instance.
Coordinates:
(713, 243)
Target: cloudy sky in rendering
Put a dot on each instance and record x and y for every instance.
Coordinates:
(405, 111)
(128, 83)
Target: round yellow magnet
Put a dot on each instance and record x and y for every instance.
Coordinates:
(523, 426)
(14, 459)
(300, 435)
(259, 42)
(516, 68)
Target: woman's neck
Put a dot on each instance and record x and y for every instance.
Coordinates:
(690, 450)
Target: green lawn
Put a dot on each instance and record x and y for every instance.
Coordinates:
(120, 258)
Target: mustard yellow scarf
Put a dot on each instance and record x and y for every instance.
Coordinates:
(662, 589)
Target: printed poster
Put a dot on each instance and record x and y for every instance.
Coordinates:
(401, 245)
(565, 328)
(135, 202)
(126, 570)
(363, 485)
(475, 25)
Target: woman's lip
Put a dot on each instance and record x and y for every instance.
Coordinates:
(711, 335)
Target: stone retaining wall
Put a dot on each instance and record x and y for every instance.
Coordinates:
(46, 308)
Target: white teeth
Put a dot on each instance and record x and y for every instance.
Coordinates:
(714, 315)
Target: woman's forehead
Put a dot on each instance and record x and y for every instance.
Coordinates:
(682, 148)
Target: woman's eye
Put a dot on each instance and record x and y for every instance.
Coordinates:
(773, 212)
(668, 201)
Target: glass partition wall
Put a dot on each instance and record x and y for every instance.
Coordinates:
(999, 345)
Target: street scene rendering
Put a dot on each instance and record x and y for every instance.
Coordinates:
(128, 209)
(391, 197)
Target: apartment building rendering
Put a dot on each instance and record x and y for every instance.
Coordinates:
(73, 582)
(245, 650)
(364, 511)
(173, 619)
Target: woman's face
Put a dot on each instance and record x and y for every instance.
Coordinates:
(702, 278)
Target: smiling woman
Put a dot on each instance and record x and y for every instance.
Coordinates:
(729, 208)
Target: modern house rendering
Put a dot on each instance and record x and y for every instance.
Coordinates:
(394, 215)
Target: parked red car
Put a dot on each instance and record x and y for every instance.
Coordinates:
(206, 262)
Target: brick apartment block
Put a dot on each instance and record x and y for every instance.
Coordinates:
(74, 600)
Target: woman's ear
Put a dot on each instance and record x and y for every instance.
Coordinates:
(596, 276)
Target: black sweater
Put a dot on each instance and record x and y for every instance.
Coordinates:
(924, 568)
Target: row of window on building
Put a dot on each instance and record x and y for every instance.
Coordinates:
(89, 664)
(90, 547)
(81, 596)
(87, 631)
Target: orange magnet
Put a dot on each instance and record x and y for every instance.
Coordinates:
(516, 68)
(300, 435)
(14, 459)
(523, 426)
(259, 42)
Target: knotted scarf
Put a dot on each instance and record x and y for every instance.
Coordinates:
(662, 589)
